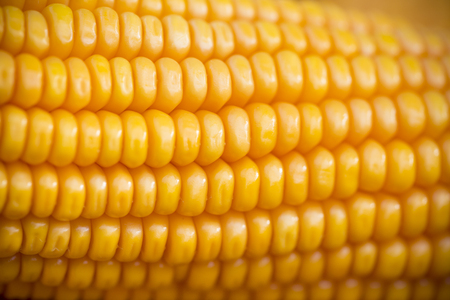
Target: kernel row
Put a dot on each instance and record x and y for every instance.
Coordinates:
(347, 289)
(103, 32)
(78, 18)
(181, 239)
(414, 259)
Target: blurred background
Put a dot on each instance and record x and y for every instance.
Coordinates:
(427, 12)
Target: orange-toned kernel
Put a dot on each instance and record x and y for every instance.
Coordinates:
(61, 29)
(428, 161)
(155, 229)
(89, 138)
(245, 37)
(11, 267)
(350, 288)
(323, 289)
(71, 195)
(311, 226)
(244, 9)
(78, 4)
(220, 179)
(434, 73)
(40, 135)
(410, 39)
(223, 39)
(80, 273)
(419, 257)
(311, 127)
(20, 189)
(285, 229)
(65, 138)
(135, 139)
(392, 258)
(108, 32)
(234, 235)
(366, 44)
(335, 123)
(398, 290)
(233, 273)
(152, 37)
(101, 83)
(194, 190)
(387, 218)
(387, 43)
(168, 186)
(360, 120)
(161, 136)
(290, 76)
(242, 82)
(188, 137)
(120, 191)
(177, 40)
(268, 35)
(364, 75)
(222, 10)
(31, 268)
(122, 91)
(202, 44)
(265, 77)
(78, 85)
(373, 290)
(182, 240)
(112, 138)
(312, 266)
(388, 71)
(219, 85)
(36, 38)
(400, 167)
(384, 125)
(197, 9)
(54, 271)
(13, 34)
(424, 289)
(85, 33)
(260, 230)
(145, 81)
(203, 276)
(11, 236)
(347, 171)
(80, 238)
(444, 146)
(439, 209)
(263, 129)
(212, 142)
(209, 237)
(361, 212)
(160, 275)
(131, 238)
(144, 196)
(412, 72)
(105, 238)
(29, 81)
(322, 168)
(295, 291)
(373, 166)
(440, 264)
(267, 10)
(318, 39)
(437, 113)
(288, 127)
(247, 184)
(237, 133)
(18, 290)
(313, 12)
(336, 224)
(340, 82)
(194, 84)
(296, 178)
(57, 240)
(290, 12)
(414, 208)
(315, 79)
(96, 191)
(293, 38)
(170, 86)
(45, 189)
(130, 41)
(7, 67)
(338, 262)
(107, 274)
(260, 271)
(364, 258)
(345, 42)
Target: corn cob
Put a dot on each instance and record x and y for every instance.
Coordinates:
(177, 149)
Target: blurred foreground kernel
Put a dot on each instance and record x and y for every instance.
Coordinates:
(222, 149)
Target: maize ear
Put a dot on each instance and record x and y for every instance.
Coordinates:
(222, 149)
